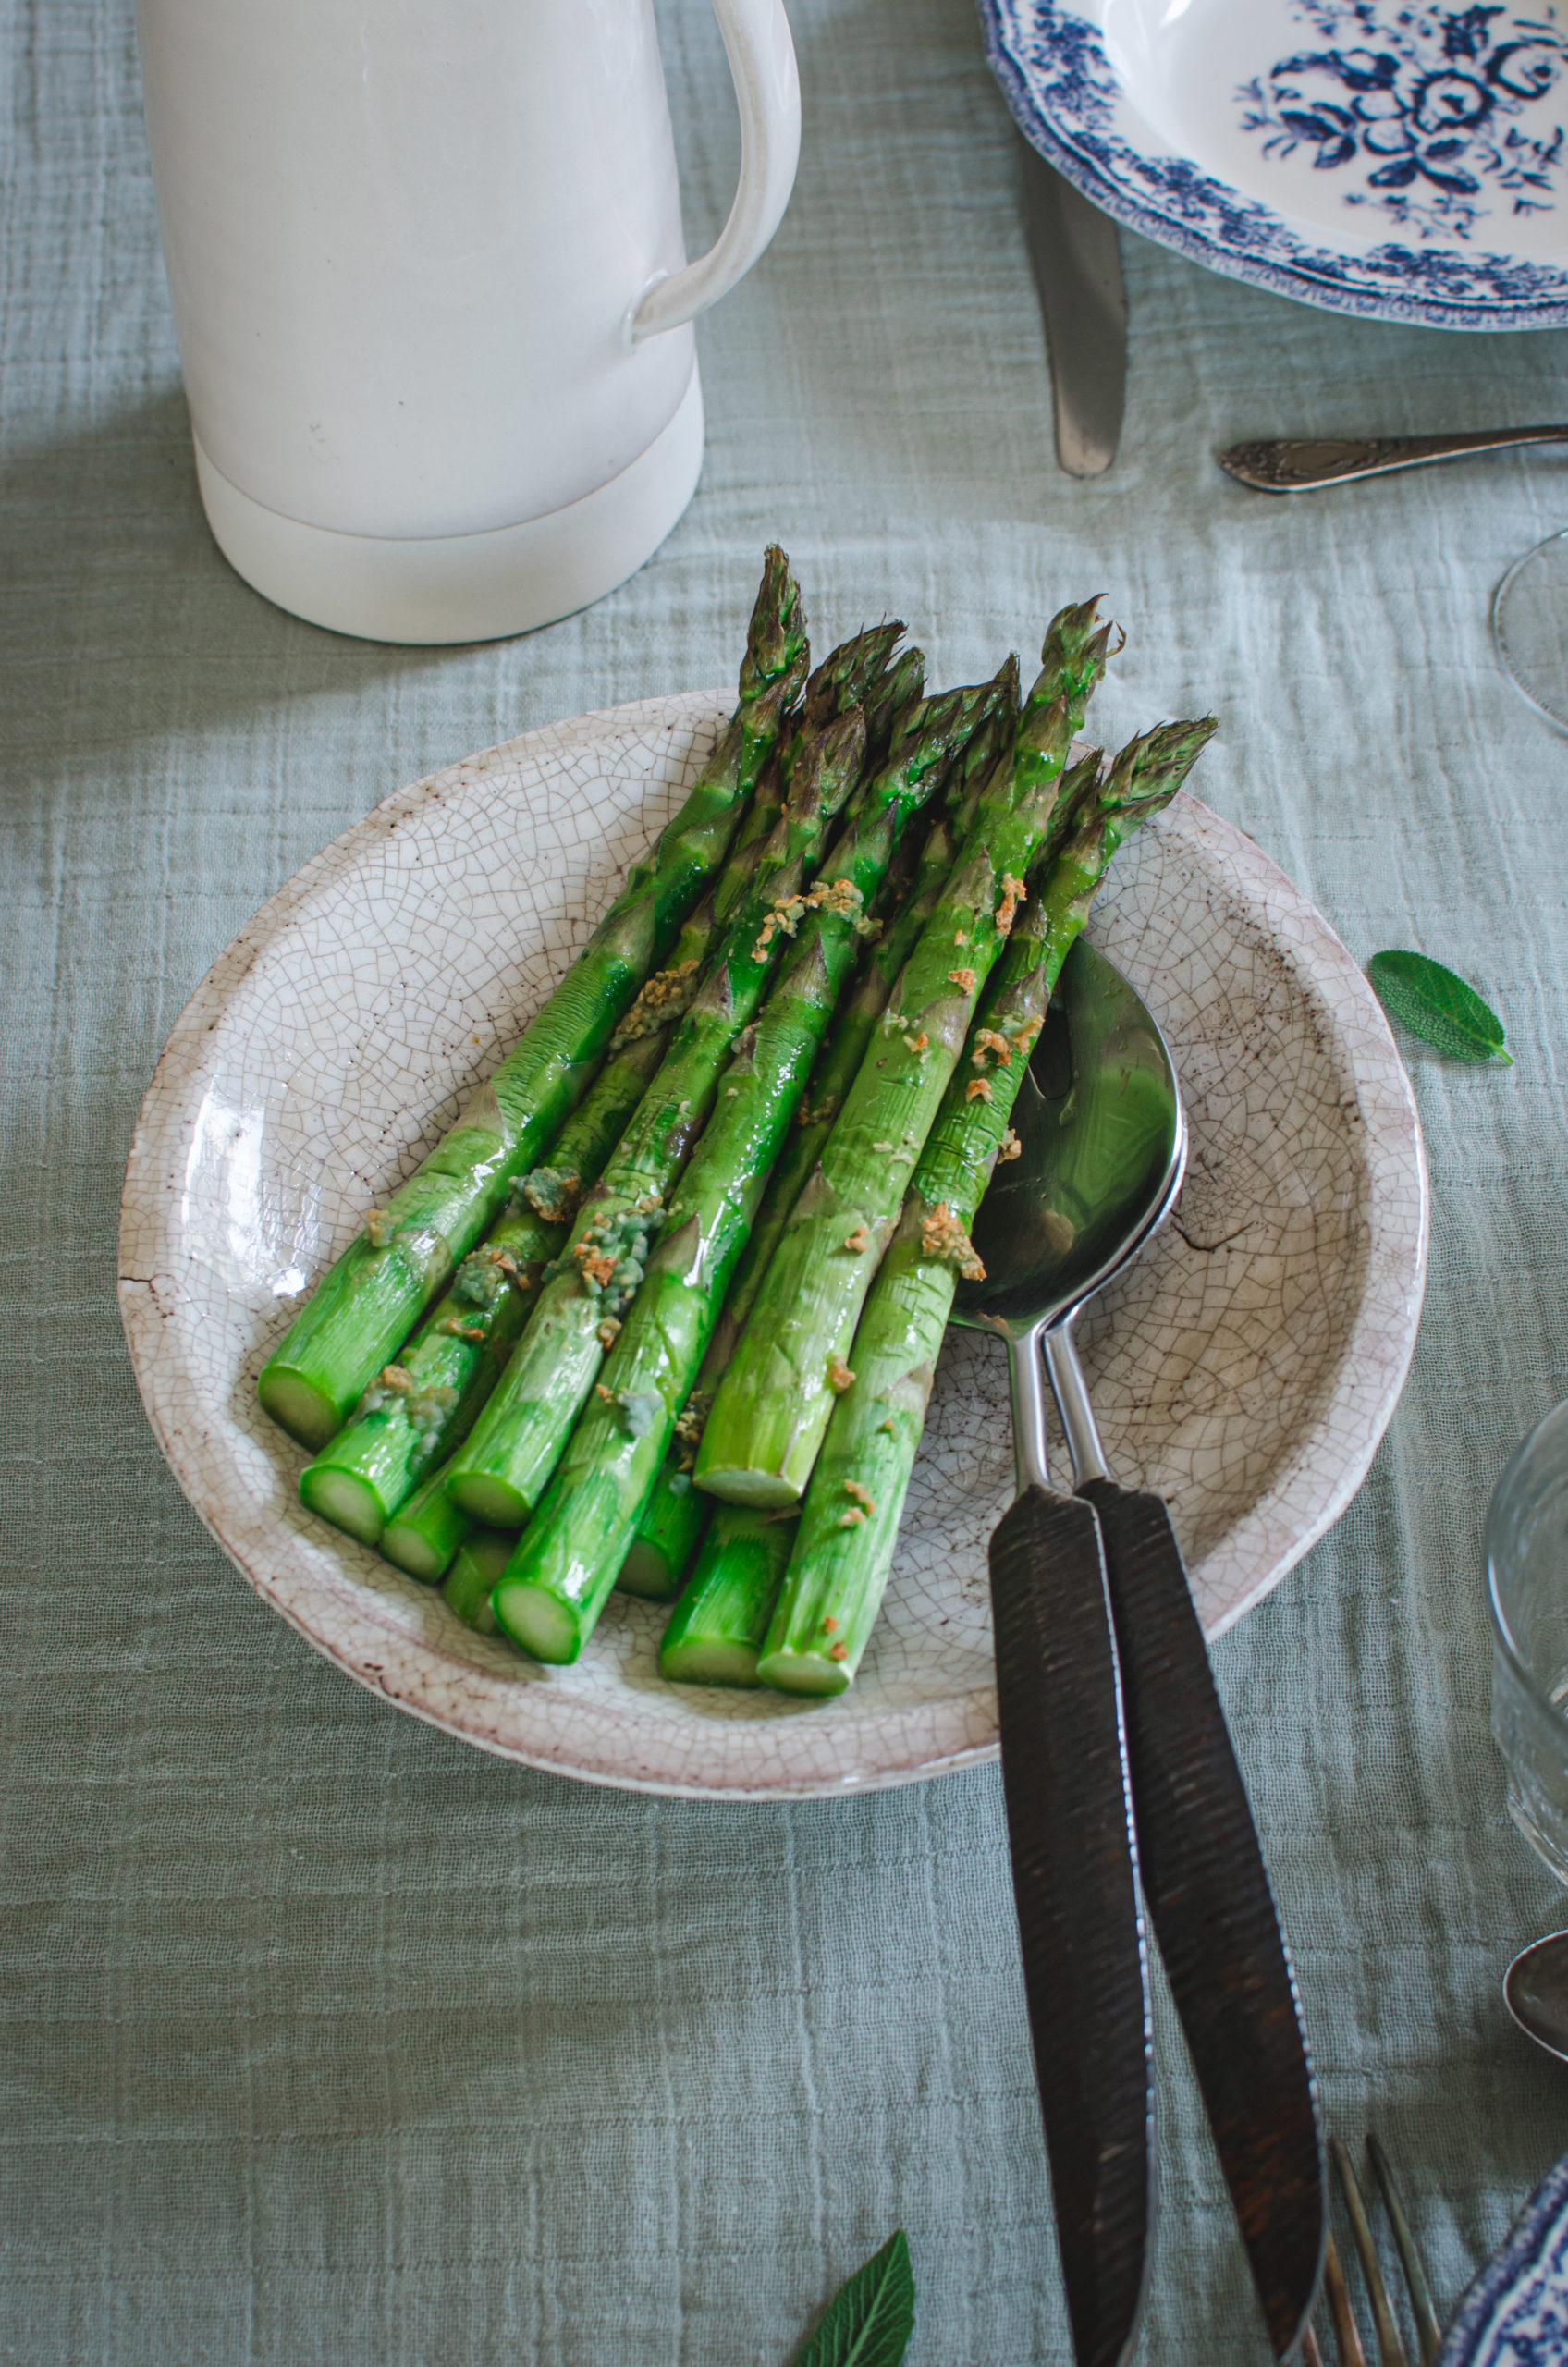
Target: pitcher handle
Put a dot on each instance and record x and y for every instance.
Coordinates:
(768, 85)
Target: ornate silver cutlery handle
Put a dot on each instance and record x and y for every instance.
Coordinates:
(1301, 464)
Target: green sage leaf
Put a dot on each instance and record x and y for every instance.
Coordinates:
(869, 2320)
(1438, 1007)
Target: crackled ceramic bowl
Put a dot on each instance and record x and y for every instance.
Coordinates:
(1246, 1366)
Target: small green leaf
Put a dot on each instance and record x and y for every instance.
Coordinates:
(870, 2319)
(1438, 1007)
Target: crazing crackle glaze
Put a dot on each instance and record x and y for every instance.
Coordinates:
(1246, 1366)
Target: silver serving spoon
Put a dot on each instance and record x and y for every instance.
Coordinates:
(1535, 1990)
(1108, 1706)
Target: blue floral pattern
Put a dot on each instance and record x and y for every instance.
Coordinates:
(1429, 105)
(1067, 99)
(1515, 2314)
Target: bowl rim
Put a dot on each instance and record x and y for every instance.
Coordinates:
(1379, 1338)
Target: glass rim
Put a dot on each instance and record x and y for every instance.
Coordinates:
(1501, 1632)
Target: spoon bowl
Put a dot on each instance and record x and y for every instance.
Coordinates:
(1535, 1990)
(1104, 1142)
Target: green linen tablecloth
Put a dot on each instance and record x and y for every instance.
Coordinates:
(329, 2040)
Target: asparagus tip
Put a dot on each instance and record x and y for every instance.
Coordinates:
(776, 633)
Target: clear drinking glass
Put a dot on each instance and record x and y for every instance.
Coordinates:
(1526, 1545)
(1530, 628)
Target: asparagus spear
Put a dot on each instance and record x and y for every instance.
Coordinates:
(415, 1413)
(425, 1533)
(861, 672)
(669, 1528)
(568, 1558)
(365, 1307)
(671, 1525)
(716, 1632)
(850, 1521)
(887, 708)
(830, 1080)
(773, 1404)
(472, 1579)
(502, 1471)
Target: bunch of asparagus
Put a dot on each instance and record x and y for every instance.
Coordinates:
(664, 1306)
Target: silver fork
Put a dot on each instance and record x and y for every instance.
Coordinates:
(1391, 2352)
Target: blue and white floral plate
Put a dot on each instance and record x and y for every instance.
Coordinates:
(1405, 161)
(1515, 2314)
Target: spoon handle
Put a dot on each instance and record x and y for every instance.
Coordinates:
(1303, 463)
(1213, 1910)
(1074, 1857)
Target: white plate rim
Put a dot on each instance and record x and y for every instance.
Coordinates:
(420, 1673)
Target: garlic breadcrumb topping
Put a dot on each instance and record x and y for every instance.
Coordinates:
(553, 1193)
(942, 1237)
(482, 1278)
(1013, 896)
(688, 1425)
(988, 1039)
(839, 897)
(662, 997)
(612, 1255)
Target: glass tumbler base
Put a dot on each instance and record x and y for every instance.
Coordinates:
(1530, 628)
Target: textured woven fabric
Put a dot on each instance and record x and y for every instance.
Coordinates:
(325, 2038)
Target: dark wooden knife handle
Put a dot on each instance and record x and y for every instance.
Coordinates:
(1085, 1970)
(1213, 1910)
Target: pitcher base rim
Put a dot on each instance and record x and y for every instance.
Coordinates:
(448, 588)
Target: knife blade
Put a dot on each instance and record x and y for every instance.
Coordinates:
(1074, 1873)
(1213, 1912)
(1077, 261)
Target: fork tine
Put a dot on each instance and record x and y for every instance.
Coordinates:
(1428, 2334)
(1345, 2335)
(1390, 2349)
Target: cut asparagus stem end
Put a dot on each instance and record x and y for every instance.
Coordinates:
(425, 1533)
(647, 1572)
(811, 1673)
(494, 1501)
(480, 1562)
(297, 1407)
(766, 1492)
(410, 1548)
(347, 1501)
(709, 1660)
(469, 1598)
(543, 1626)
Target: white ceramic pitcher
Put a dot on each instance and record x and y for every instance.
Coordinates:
(432, 294)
